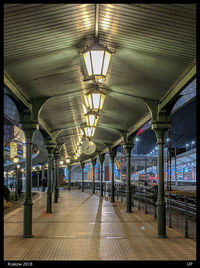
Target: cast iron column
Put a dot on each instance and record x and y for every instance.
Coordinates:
(49, 147)
(38, 182)
(82, 170)
(93, 166)
(161, 214)
(53, 174)
(101, 158)
(113, 152)
(29, 129)
(128, 147)
(56, 155)
(43, 171)
(69, 172)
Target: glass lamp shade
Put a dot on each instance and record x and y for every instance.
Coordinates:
(91, 119)
(97, 59)
(94, 99)
(89, 131)
(67, 161)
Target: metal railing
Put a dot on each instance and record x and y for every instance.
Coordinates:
(180, 209)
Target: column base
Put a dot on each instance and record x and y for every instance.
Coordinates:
(27, 236)
(128, 211)
(27, 218)
(162, 236)
(161, 219)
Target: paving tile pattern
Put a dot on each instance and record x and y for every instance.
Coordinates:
(86, 227)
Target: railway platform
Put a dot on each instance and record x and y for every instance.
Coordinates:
(86, 227)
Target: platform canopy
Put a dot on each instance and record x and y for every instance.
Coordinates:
(153, 57)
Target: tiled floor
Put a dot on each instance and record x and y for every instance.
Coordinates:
(87, 227)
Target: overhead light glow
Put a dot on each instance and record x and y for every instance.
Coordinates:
(91, 119)
(89, 131)
(94, 98)
(97, 59)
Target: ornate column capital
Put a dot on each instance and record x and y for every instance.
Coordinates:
(94, 160)
(112, 153)
(160, 128)
(102, 158)
(128, 147)
(69, 167)
(49, 145)
(82, 165)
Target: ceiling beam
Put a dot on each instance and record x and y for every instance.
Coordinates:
(11, 85)
(131, 130)
(96, 21)
(188, 75)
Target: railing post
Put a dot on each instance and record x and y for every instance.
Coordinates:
(169, 211)
(145, 201)
(139, 198)
(186, 218)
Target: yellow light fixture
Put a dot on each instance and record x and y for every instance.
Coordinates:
(97, 59)
(91, 119)
(89, 131)
(67, 160)
(94, 98)
(15, 160)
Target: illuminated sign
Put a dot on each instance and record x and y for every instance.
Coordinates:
(19, 134)
(13, 149)
(24, 151)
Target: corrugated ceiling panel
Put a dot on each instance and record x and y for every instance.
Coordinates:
(158, 29)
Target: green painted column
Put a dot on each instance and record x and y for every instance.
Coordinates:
(29, 129)
(53, 175)
(128, 147)
(161, 213)
(82, 171)
(56, 155)
(69, 172)
(101, 158)
(49, 147)
(38, 180)
(93, 182)
(113, 152)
